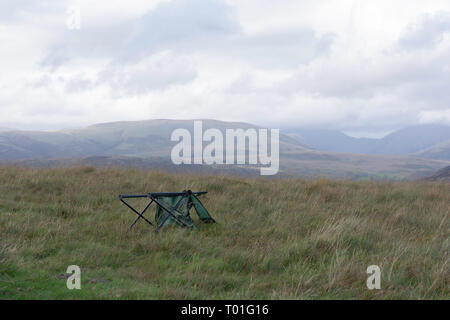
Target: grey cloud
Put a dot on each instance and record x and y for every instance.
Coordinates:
(212, 27)
(279, 49)
(243, 85)
(96, 41)
(43, 81)
(426, 33)
(169, 26)
(420, 77)
(415, 77)
(179, 26)
(179, 23)
(78, 83)
(179, 42)
(20, 10)
(185, 27)
(154, 73)
(361, 79)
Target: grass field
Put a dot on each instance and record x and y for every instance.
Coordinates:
(275, 239)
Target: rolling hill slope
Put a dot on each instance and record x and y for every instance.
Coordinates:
(147, 145)
(415, 140)
(438, 151)
(149, 138)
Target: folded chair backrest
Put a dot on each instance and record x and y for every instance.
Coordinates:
(180, 213)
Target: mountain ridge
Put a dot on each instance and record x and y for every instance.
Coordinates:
(414, 141)
(146, 144)
(131, 138)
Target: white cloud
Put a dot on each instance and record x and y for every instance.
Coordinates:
(426, 33)
(435, 116)
(349, 64)
(157, 72)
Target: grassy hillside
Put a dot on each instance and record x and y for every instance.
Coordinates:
(150, 138)
(440, 175)
(308, 164)
(285, 238)
(147, 145)
(357, 166)
(439, 151)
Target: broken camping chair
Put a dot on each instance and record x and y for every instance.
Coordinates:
(171, 208)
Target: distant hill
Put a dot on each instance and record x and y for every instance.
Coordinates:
(414, 139)
(438, 151)
(428, 141)
(147, 145)
(149, 138)
(333, 140)
(441, 175)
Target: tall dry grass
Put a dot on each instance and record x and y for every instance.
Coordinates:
(275, 239)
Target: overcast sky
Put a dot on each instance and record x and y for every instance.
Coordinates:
(365, 67)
